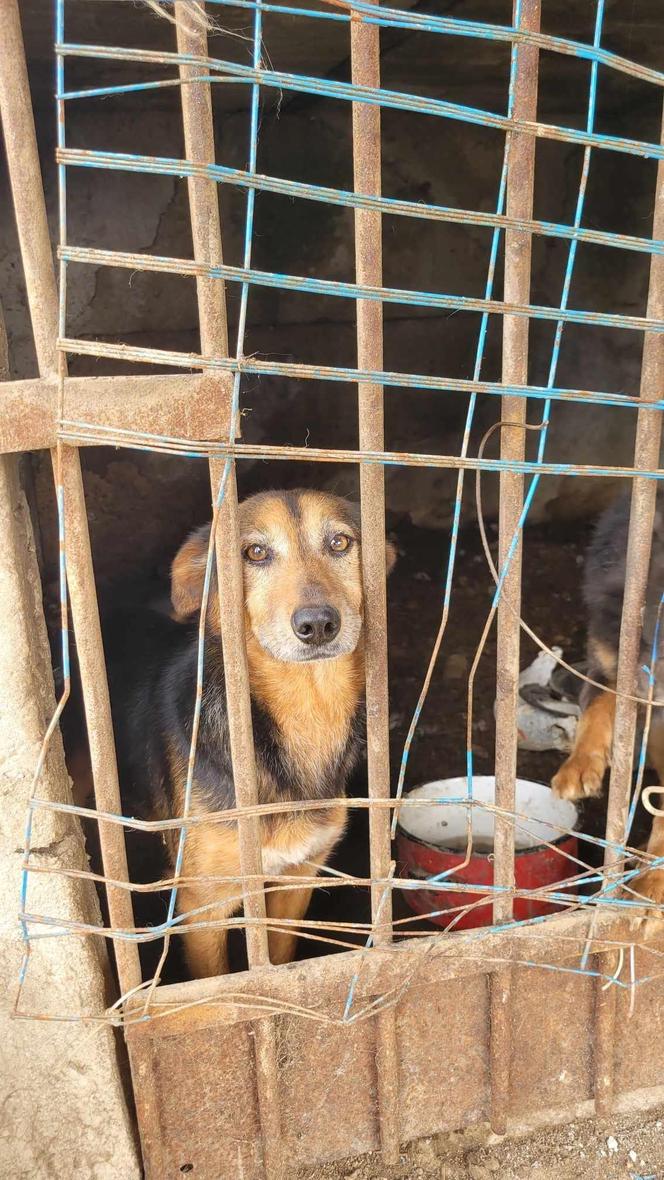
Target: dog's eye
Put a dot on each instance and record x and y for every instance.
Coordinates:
(255, 553)
(339, 543)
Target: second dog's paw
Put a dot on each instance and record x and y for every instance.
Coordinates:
(579, 777)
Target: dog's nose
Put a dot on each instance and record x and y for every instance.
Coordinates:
(316, 624)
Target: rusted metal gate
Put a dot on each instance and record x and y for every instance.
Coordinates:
(252, 1074)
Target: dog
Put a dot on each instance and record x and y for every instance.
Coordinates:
(582, 773)
(304, 642)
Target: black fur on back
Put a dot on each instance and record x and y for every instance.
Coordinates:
(604, 579)
(604, 574)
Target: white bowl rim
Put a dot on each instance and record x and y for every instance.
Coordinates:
(536, 831)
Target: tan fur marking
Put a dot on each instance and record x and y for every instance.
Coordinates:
(187, 576)
(210, 851)
(582, 773)
(292, 903)
(604, 656)
(315, 834)
(177, 766)
(293, 830)
(312, 705)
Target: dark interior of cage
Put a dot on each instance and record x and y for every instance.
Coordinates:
(142, 505)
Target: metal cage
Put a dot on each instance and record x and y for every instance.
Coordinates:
(254, 1074)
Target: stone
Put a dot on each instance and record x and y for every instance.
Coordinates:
(424, 1153)
(61, 1088)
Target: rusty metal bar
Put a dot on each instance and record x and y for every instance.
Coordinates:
(297, 371)
(395, 99)
(644, 492)
(179, 404)
(167, 166)
(30, 212)
(206, 232)
(79, 432)
(456, 27)
(520, 183)
(428, 962)
(303, 284)
(365, 71)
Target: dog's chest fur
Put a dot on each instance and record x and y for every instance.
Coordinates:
(311, 712)
(306, 747)
(293, 844)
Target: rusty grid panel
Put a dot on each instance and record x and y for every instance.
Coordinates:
(234, 1014)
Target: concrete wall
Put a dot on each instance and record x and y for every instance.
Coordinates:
(64, 1107)
(140, 506)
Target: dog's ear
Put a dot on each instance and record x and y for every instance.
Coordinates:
(188, 573)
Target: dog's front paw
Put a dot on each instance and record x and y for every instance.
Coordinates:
(579, 777)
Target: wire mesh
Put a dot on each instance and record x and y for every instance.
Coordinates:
(617, 890)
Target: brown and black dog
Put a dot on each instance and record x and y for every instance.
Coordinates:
(303, 633)
(582, 773)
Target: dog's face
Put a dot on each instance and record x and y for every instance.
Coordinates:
(302, 574)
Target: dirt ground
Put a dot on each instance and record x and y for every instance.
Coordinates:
(625, 1147)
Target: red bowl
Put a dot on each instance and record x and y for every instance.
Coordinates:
(432, 840)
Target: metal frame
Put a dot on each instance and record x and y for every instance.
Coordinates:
(61, 413)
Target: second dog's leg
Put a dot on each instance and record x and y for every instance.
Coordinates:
(651, 884)
(583, 771)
